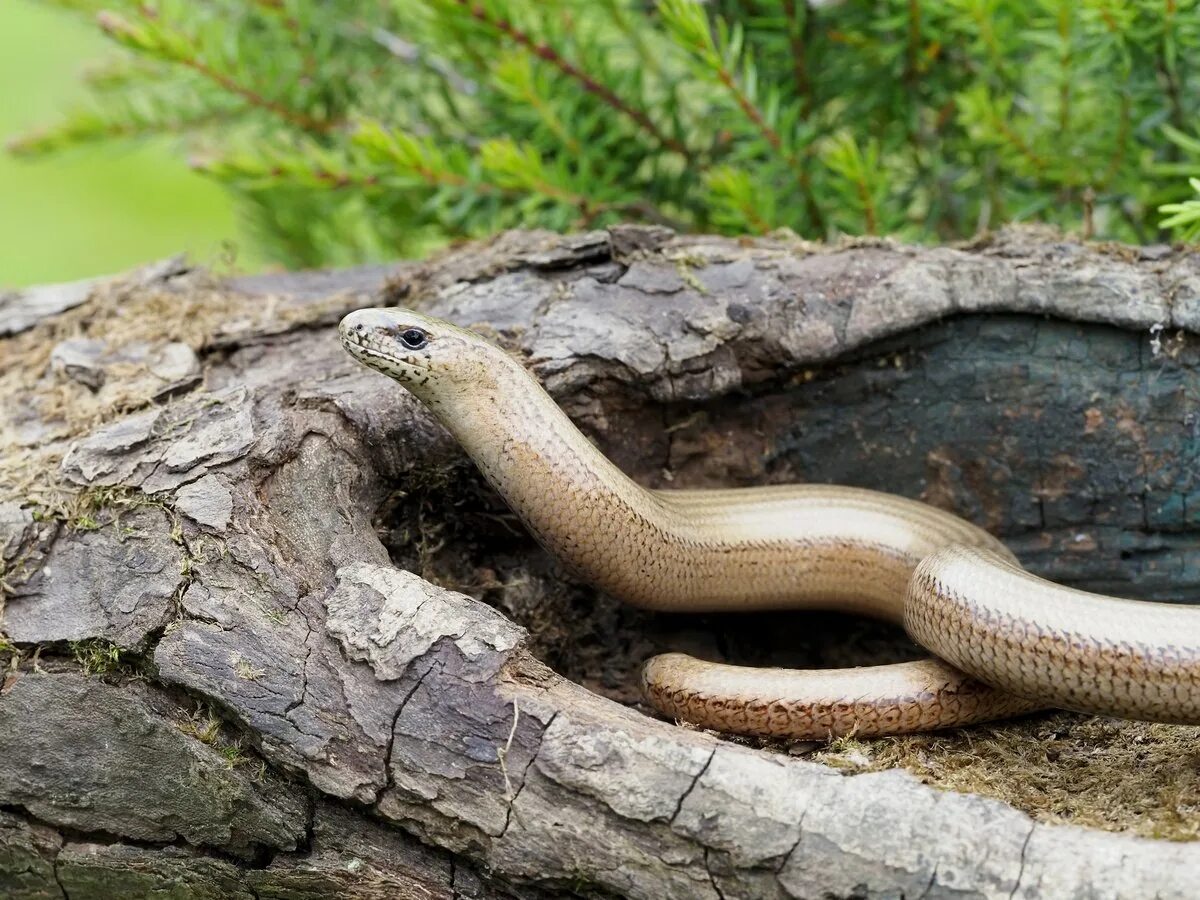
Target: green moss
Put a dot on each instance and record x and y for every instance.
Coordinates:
(97, 656)
(247, 671)
(686, 266)
(98, 507)
(7, 647)
(85, 522)
(205, 726)
(234, 756)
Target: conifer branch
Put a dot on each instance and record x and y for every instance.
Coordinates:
(846, 159)
(1121, 147)
(1019, 144)
(913, 48)
(120, 74)
(277, 7)
(292, 25)
(1170, 72)
(870, 216)
(87, 126)
(175, 49)
(752, 112)
(518, 168)
(633, 32)
(684, 112)
(508, 170)
(797, 41)
(254, 98)
(266, 173)
(516, 78)
(689, 23)
(548, 54)
(1065, 62)
(736, 202)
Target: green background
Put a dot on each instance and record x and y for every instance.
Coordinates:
(98, 209)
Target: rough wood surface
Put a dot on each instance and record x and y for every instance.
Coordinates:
(239, 691)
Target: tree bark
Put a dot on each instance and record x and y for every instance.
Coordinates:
(226, 675)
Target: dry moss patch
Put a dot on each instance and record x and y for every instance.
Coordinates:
(1057, 767)
(46, 409)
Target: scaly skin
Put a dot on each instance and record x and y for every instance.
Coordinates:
(802, 547)
(1072, 649)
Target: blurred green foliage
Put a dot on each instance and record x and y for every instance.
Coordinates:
(86, 213)
(353, 131)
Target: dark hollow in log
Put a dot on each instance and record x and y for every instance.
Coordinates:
(221, 681)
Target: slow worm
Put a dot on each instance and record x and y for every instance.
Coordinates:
(1027, 643)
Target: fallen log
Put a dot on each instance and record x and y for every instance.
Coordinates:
(267, 633)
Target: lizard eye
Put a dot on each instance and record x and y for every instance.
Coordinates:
(414, 338)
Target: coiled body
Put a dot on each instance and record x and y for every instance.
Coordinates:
(799, 546)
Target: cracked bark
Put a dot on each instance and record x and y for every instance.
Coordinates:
(515, 795)
(691, 787)
(1021, 868)
(271, 493)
